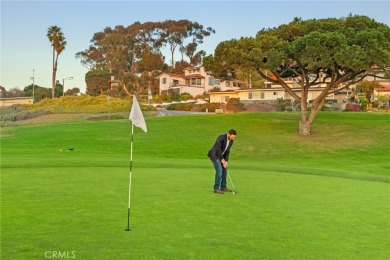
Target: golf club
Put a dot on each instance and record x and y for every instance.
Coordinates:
(231, 181)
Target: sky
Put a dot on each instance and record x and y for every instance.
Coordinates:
(27, 52)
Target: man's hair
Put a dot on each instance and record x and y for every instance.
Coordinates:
(232, 132)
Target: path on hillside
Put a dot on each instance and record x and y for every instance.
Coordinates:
(165, 112)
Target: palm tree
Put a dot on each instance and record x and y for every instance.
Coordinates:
(57, 39)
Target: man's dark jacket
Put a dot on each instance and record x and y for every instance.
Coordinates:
(216, 151)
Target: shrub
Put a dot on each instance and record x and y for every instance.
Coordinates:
(234, 105)
(19, 112)
(262, 107)
(353, 107)
(281, 104)
(181, 106)
(185, 96)
(210, 107)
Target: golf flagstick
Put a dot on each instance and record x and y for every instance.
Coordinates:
(131, 168)
(138, 120)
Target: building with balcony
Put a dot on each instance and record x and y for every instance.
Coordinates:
(195, 81)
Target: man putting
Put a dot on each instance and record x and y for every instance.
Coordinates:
(219, 156)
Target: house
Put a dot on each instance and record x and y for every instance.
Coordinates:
(382, 93)
(4, 102)
(195, 81)
(270, 94)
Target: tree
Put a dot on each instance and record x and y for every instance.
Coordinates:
(196, 34)
(173, 34)
(123, 48)
(15, 92)
(151, 61)
(329, 53)
(57, 40)
(367, 88)
(97, 82)
(39, 92)
(118, 50)
(179, 67)
(72, 92)
(3, 92)
(135, 51)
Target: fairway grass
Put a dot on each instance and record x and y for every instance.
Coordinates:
(326, 196)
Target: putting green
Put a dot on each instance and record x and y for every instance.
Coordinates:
(297, 198)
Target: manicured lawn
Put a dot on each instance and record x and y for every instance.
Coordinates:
(326, 196)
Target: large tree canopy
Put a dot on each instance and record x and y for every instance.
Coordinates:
(333, 53)
(126, 52)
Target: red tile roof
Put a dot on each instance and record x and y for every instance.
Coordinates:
(383, 89)
(194, 76)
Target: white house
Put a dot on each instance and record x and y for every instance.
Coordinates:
(195, 81)
(271, 93)
(4, 102)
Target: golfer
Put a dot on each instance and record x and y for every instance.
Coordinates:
(219, 156)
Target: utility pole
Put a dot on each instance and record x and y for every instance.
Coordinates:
(33, 77)
(149, 89)
(63, 84)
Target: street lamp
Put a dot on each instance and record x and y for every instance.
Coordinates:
(63, 84)
(149, 88)
(150, 97)
(33, 77)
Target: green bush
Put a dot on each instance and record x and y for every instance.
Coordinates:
(181, 106)
(185, 96)
(234, 105)
(281, 104)
(262, 107)
(209, 107)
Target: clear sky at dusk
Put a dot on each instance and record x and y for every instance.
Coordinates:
(24, 45)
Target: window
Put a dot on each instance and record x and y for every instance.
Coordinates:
(224, 99)
(262, 95)
(275, 93)
(195, 81)
(216, 82)
(164, 81)
(211, 81)
(254, 95)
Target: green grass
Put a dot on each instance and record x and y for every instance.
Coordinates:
(326, 196)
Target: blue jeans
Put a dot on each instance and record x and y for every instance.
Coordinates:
(220, 175)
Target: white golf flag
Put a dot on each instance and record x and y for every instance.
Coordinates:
(136, 115)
